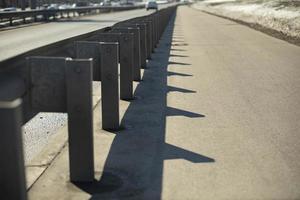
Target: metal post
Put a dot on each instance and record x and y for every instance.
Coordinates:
(80, 119)
(86, 49)
(12, 172)
(136, 49)
(126, 61)
(110, 86)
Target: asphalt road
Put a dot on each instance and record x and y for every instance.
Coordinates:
(20, 40)
(39, 130)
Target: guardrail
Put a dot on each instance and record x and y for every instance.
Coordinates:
(58, 78)
(47, 14)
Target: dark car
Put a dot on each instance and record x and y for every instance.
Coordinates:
(151, 5)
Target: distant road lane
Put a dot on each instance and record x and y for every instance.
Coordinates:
(20, 40)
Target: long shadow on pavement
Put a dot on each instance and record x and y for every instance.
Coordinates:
(134, 166)
(176, 55)
(68, 20)
(177, 74)
(178, 63)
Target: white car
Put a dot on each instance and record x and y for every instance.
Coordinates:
(10, 9)
(151, 5)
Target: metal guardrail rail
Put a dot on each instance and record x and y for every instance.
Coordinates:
(58, 78)
(47, 14)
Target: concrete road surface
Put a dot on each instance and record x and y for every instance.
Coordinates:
(238, 95)
(217, 117)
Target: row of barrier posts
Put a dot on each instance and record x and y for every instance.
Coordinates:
(59, 84)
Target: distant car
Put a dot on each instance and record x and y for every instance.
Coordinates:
(106, 3)
(184, 2)
(115, 4)
(44, 7)
(53, 7)
(82, 4)
(64, 6)
(151, 5)
(95, 5)
(10, 9)
(127, 3)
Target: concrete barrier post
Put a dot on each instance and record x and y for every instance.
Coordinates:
(110, 86)
(151, 31)
(143, 43)
(12, 173)
(32, 4)
(157, 28)
(148, 38)
(136, 49)
(87, 49)
(126, 61)
(163, 17)
(69, 83)
(167, 15)
(126, 65)
(154, 30)
(159, 19)
(23, 4)
(80, 119)
(47, 80)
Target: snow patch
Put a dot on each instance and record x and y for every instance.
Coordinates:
(261, 10)
(280, 18)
